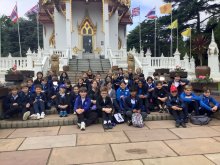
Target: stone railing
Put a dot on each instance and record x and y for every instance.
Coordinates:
(148, 64)
(39, 61)
(117, 58)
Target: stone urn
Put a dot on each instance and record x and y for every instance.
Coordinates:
(202, 71)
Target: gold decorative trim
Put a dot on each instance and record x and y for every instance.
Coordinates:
(87, 22)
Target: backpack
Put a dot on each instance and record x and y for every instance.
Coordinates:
(199, 120)
(137, 120)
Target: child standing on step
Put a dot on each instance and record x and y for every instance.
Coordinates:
(62, 101)
(175, 105)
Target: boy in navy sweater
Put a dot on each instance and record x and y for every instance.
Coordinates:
(38, 101)
(25, 101)
(82, 105)
(31, 85)
(191, 102)
(133, 104)
(73, 95)
(62, 101)
(160, 96)
(52, 93)
(175, 106)
(105, 107)
(13, 104)
(121, 93)
(208, 104)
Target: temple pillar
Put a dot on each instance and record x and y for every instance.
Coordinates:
(68, 24)
(106, 27)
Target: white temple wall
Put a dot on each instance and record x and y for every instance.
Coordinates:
(122, 35)
(79, 11)
(60, 30)
(47, 32)
(113, 30)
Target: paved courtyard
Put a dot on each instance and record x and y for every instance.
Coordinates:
(158, 143)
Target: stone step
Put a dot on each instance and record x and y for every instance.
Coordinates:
(55, 120)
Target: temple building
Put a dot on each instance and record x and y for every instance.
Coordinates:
(85, 27)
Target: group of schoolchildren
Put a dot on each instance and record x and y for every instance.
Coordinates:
(91, 98)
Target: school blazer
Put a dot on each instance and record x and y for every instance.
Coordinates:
(100, 103)
(128, 105)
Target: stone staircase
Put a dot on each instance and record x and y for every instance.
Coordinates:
(78, 66)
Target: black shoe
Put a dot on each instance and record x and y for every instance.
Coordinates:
(183, 125)
(177, 125)
(105, 126)
(186, 120)
(148, 111)
(129, 122)
(110, 126)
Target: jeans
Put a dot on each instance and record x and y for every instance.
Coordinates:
(39, 107)
(178, 116)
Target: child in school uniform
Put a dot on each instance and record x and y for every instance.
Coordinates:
(150, 88)
(30, 85)
(73, 95)
(62, 101)
(38, 80)
(191, 102)
(105, 107)
(13, 104)
(82, 105)
(52, 93)
(143, 95)
(45, 85)
(68, 86)
(121, 93)
(38, 101)
(175, 106)
(25, 101)
(207, 103)
(160, 96)
(133, 104)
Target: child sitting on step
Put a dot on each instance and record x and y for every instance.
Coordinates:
(62, 101)
(175, 106)
(208, 104)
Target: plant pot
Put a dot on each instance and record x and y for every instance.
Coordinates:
(202, 71)
(197, 86)
(162, 71)
(181, 74)
(66, 68)
(14, 77)
(27, 73)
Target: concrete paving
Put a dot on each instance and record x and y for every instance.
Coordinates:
(158, 143)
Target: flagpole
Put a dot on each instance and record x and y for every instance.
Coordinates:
(190, 45)
(140, 26)
(38, 41)
(177, 40)
(0, 36)
(19, 37)
(155, 40)
(171, 42)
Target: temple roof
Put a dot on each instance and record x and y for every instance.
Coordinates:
(46, 14)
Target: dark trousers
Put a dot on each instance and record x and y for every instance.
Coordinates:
(145, 104)
(24, 109)
(178, 115)
(106, 116)
(39, 107)
(189, 107)
(12, 111)
(89, 117)
(209, 113)
(159, 103)
(129, 115)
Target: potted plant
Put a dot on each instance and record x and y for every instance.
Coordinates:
(204, 81)
(200, 45)
(14, 75)
(178, 70)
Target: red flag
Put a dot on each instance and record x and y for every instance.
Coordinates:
(14, 14)
(135, 11)
(151, 14)
(33, 10)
